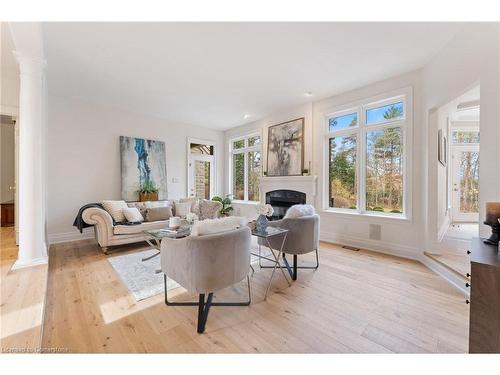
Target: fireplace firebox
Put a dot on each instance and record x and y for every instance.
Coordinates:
(281, 200)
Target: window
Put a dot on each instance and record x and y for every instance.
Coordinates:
(366, 158)
(246, 167)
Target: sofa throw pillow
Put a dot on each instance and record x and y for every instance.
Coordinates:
(182, 209)
(300, 210)
(115, 209)
(195, 204)
(133, 215)
(209, 209)
(158, 213)
(212, 226)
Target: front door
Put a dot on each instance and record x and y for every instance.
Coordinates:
(465, 178)
(201, 176)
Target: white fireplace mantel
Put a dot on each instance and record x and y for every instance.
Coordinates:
(304, 184)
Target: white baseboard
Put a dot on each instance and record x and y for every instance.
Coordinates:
(390, 248)
(33, 262)
(445, 273)
(444, 228)
(75, 235)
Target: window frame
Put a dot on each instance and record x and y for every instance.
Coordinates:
(405, 96)
(245, 150)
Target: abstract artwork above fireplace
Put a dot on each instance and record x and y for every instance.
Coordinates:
(285, 148)
(142, 161)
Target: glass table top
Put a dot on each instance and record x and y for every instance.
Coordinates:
(270, 231)
(183, 231)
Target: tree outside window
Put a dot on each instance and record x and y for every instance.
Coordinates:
(246, 168)
(382, 129)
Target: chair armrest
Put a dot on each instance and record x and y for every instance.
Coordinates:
(276, 223)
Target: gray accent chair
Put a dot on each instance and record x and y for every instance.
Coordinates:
(302, 238)
(205, 264)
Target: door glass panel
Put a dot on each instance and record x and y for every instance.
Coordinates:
(202, 179)
(465, 136)
(197, 148)
(469, 182)
(239, 176)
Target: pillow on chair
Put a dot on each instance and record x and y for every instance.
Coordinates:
(213, 226)
(300, 210)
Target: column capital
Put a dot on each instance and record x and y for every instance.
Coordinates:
(30, 65)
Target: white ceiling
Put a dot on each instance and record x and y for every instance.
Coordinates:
(211, 74)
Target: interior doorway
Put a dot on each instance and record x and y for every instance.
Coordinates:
(8, 170)
(457, 181)
(201, 169)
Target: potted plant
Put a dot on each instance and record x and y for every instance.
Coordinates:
(226, 204)
(148, 191)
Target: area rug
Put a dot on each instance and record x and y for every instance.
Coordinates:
(140, 277)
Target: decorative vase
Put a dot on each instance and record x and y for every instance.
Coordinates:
(261, 224)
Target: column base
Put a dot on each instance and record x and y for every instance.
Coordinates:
(34, 262)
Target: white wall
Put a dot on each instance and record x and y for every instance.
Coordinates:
(7, 160)
(471, 58)
(84, 157)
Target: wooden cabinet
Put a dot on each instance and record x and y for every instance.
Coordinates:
(484, 328)
(7, 214)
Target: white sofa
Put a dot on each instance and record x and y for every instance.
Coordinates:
(108, 234)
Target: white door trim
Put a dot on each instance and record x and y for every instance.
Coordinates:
(213, 164)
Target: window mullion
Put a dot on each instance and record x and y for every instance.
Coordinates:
(245, 177)
(362, 161)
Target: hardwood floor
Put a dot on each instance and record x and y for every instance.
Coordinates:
(22, 299)
(355, 302)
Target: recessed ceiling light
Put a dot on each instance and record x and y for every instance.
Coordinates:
(246, 116)
(309, 93)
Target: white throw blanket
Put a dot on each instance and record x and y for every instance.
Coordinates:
(212, 226)
(300, 210)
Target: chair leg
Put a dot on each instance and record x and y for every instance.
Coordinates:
(204, 307)
(294, 277)
(293, 270)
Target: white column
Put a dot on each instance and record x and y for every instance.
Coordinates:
(32, 244)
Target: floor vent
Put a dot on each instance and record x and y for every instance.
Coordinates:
(350, 248)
